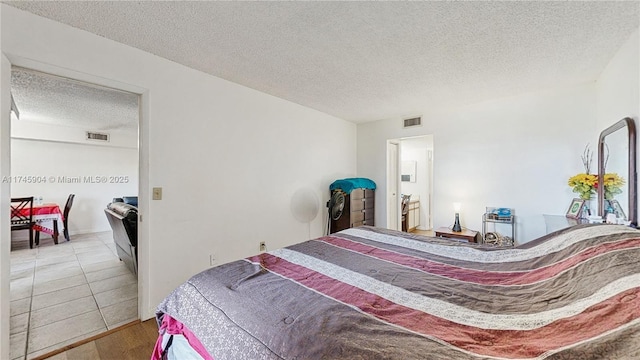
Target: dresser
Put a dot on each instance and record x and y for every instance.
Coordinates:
(559, 222)
(411, 220)
(413, 215)
(359, 209)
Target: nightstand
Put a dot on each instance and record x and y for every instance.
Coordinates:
(466, 235)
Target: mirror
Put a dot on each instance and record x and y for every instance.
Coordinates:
(617, 154)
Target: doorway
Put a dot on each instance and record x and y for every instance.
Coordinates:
(410, 172)
(393, 178)
(83, 139)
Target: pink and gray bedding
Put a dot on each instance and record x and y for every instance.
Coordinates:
(368, 293)
(177, 342)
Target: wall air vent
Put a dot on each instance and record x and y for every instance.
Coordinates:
(97, 136)
(416, 121)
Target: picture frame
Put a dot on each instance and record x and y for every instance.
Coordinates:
(617, 209)
(575, 209)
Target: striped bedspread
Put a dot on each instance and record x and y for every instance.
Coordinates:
(368, 293)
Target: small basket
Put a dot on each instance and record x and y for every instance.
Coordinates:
(497, 239)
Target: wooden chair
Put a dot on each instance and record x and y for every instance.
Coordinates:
(20, 218)
(65, 220)
(65, 213)
(405, 210)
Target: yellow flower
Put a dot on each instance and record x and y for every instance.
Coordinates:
(584, 184)
(613, 179)
(612, 184)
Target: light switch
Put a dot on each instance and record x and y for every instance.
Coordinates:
(157, 193)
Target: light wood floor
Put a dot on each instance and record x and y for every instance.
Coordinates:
(424, 232)
(130, 342)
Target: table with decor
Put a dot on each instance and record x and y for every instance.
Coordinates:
(585, 184)
(48, 219)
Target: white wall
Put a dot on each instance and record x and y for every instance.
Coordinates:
(228, 157)
(415, 149)
(60, 162)
(617, 87)
(618, 96)
(513, 152)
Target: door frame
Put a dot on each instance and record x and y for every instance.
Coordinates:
(426, 203)
(144, 309)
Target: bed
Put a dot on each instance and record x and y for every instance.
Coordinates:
(371, 293)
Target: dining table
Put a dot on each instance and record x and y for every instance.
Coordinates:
(48, 219)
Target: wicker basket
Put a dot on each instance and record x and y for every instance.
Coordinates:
(497, 239)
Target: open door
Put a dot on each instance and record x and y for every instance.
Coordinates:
(393, 177)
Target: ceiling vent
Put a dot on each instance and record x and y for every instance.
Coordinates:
(97, 136)
(416, 121)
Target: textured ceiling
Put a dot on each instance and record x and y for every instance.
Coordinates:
(58, 101)
(364, 61)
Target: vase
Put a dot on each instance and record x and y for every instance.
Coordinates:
(587, 208)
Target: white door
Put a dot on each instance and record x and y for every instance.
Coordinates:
(427, 204)
(393, 213)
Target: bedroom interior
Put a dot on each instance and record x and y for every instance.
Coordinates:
(368, 292)
(515, 138)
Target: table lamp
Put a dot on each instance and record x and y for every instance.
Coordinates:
(456, 224)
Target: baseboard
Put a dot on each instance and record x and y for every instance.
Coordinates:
(87, 231)
(21, 235)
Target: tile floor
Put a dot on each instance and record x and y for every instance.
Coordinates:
(64, 293)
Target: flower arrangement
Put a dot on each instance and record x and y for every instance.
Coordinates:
(612, 185)
(584, 184)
